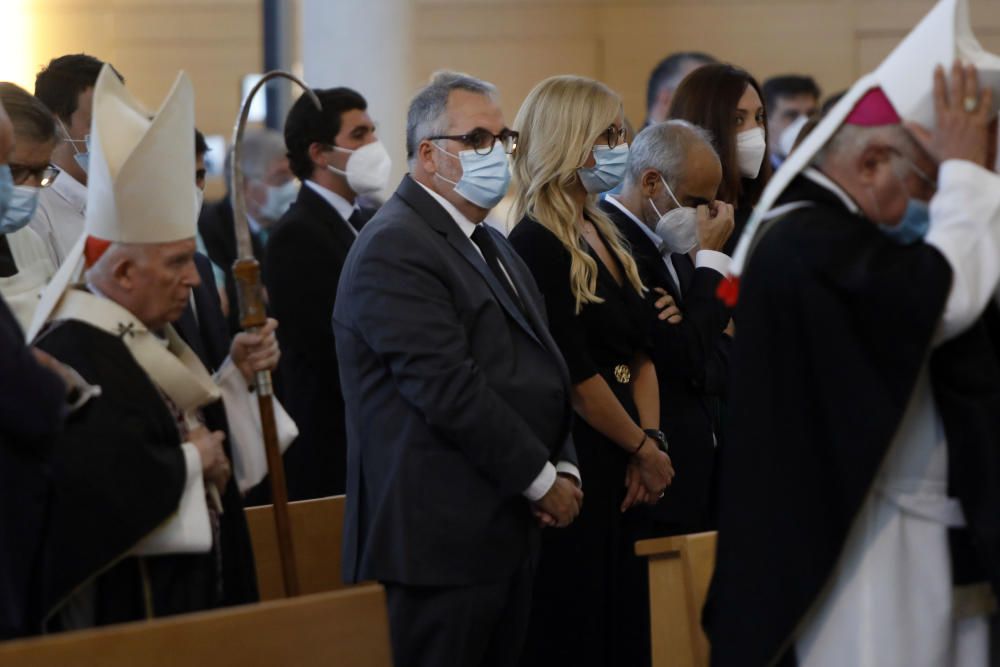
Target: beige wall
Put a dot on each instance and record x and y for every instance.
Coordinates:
(516, 43)
(215, 41)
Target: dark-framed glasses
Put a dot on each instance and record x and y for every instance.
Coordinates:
(482, 140)
(45, 175)
(614, 135)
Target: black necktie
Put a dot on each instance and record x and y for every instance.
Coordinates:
(357, 219)
(481, 237)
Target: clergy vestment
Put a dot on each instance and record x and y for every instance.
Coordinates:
(858, 481)
(119, 474)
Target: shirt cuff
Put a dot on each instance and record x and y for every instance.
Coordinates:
(567, 468)
(713, 259)
(546, 478)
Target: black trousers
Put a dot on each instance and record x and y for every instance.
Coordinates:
(481, 625)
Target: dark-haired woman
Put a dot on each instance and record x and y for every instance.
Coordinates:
(727, 101)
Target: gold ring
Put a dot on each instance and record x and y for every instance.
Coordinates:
(971, 104)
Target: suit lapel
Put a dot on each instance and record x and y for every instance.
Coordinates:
(321, 212)
(187, 327)
(537, 321)
(434, 215)
(643, 248)
(685, 270)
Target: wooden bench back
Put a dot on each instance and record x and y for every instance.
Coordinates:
(317, 530)
(344, 628)
(680, 570)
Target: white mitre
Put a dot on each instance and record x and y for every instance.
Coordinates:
(140, 186)
(906, 78)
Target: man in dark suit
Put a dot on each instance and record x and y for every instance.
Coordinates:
(689, 336)
(457, 399)
(306, 252)
(269, 188)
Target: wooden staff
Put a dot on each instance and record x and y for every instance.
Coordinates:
(253, 315)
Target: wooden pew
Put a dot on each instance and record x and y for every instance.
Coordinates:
(345, 628)
(317, 528)
(680, 569)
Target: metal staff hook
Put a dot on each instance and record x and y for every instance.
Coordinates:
(253, 315)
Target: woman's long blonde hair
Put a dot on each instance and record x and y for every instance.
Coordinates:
(558, 124)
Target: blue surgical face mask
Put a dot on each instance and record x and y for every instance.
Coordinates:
(917, 217)
(6, 189)
(82, 158)
(279, 198)
(609, 171)
(485, 178)
(20, 209)
(914, 225)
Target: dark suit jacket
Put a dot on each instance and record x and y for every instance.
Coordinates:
(32, 408)
(691, 366)
(203, 328)
(455, 400)
(306, 251)
(215, 224)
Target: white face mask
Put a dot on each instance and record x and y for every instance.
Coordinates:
(678, 227)
(786, 141)
(368, 168)
(199, 200)
(750, 148)
(279, 198)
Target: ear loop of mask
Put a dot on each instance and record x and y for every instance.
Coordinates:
(70, 140)
(449, 153)
(669, 192)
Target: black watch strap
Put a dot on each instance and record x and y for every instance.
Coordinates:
(657, 435)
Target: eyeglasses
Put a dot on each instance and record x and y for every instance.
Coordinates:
(614, 135)
(45, 175)
(482, 140)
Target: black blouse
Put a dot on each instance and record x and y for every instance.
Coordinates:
(603, 335)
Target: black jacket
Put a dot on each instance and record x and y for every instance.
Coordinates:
(835, 322)
(455, 400)
(306, 252)
(215, 224)
(32, 408)
(691, 360)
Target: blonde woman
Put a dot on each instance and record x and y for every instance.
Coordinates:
(590, 597)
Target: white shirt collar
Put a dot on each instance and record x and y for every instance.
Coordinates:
(70, 189)
(466, 225)
(339, 204)
(656, 240)
(824, 181)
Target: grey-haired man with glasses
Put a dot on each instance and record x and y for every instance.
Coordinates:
(457, 400)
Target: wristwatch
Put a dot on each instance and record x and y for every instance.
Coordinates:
(657, 436)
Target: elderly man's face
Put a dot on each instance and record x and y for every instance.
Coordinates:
(894, 175)
(159, 282)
